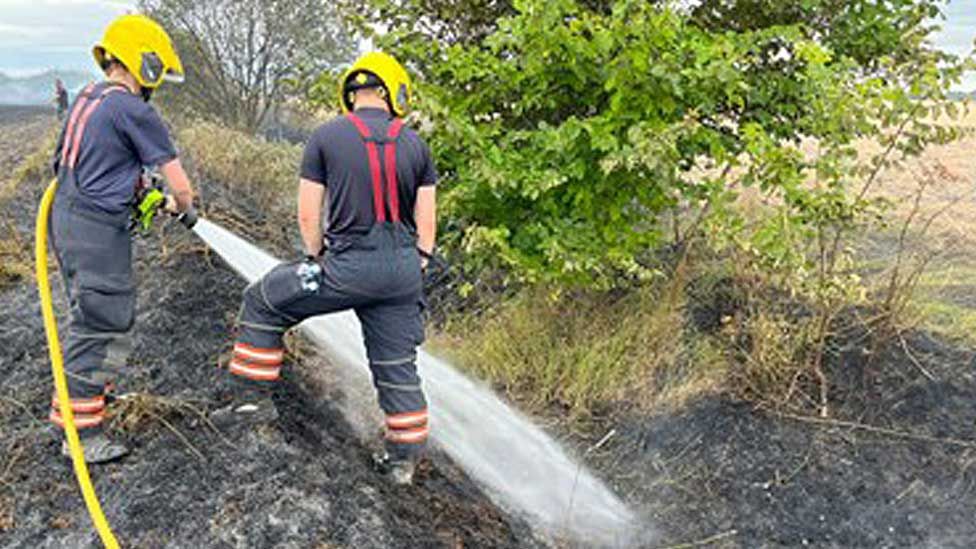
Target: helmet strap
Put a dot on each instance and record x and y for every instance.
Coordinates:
(146, 93)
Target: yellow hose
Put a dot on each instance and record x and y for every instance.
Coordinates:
(57, 369)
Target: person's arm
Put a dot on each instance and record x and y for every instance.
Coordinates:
(425, 214)
(181, 199)
(310, 198)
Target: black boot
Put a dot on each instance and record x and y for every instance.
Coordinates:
(249, 402)
(97, 447)
(398, 472)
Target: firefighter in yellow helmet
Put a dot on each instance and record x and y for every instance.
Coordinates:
(374, 179)
(110, 136)
(382, 73)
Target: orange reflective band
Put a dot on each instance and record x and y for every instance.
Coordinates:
(82, 421)
(271, 357)
(409, 419)
(412, 436)
(82, 405)
(257, 372)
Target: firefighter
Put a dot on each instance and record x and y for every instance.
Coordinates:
(60, 99)
(375, 179)
(110, 135)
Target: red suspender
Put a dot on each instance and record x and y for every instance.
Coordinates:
(83, 110)
(389, 167)
(392, 188)
(70, 128)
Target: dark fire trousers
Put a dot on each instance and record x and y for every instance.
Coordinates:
(378, 276)
(94, 250)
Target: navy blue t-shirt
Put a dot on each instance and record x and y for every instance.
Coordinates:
(122, 135)
(336, 157)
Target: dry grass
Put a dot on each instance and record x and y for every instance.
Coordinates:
(931, 237)
(16, 263)
(34, 167)
(16, 259)
(266, 172)
(956, 190)
(140, 412)
(579, 353)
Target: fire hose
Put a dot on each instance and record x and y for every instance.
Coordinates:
(57, 370)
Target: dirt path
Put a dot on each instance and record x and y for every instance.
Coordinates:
(303, 481)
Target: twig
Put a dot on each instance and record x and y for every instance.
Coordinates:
(703, 542)
(181, 436)
(906, 491)
(11, 464)
(23, 407)
(878, 430)
(606, 438)
(908, 353)
(579, 470)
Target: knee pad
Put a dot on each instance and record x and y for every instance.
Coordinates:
(106, 302)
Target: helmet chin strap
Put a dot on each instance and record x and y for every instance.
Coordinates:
(146, 93)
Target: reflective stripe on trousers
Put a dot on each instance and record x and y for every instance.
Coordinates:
(378, 276)
(383, 287)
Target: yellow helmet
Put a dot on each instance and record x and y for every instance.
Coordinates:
(143, 47)
(377, 69)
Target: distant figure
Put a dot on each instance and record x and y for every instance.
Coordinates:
(60, 98)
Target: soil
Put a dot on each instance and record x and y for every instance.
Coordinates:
(895, 466)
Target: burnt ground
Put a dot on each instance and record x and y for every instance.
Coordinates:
(303, 481)
(898, 471)
(895, 467)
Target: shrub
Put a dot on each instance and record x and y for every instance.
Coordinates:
(574, 139)
(579, 140)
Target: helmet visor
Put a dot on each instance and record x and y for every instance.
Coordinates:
(152, 70)
(154, 73)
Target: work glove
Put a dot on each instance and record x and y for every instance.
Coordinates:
(435, 269)
(188, 218)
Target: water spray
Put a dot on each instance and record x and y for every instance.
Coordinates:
(520, 466)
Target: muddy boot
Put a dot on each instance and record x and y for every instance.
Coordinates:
(397, 472)
(250, 403)
(98, 448)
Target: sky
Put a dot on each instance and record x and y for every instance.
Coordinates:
(45, 34)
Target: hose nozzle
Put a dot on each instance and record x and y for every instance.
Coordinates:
(188, 218)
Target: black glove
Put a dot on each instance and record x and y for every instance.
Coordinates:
(188, 218)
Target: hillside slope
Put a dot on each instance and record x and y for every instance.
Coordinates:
(896, 467)
(303, 481)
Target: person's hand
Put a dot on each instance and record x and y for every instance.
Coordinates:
(425, 258)
(170, 206)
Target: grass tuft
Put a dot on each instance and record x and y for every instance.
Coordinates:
(582, 352)
(266, 172)
(16, 263)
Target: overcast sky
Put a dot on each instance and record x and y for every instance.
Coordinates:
(42, 34)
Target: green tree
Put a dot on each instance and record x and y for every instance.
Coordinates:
(574, 140)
